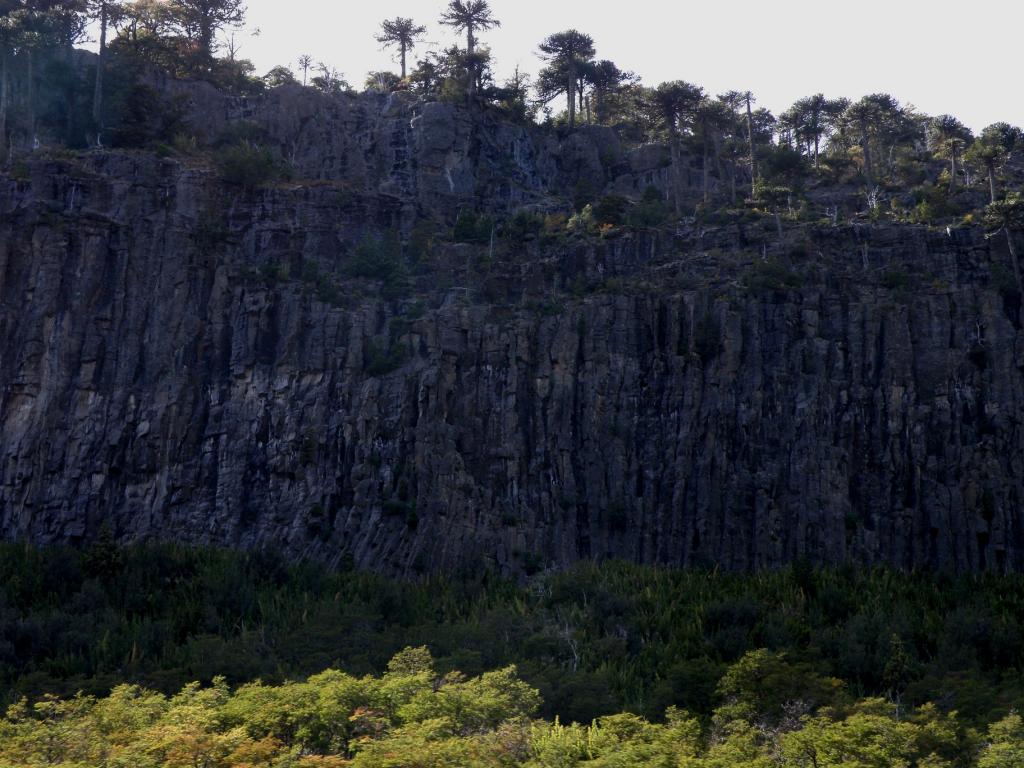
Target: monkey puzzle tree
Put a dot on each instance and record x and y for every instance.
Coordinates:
(567, 54)
(809, 117)
(743, 102)
(141, 19)
(876, 117)
(469, 16)
(1007, 216)
(401, 32)
(712, 118)
(201, 20)
(104, 12)
(676, 103)
(992, 149)
(606, 79)
(949, 137)
(305, 63)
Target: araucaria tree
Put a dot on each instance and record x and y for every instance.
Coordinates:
(676, 104)
(605, 80)
(201, 20)
(470, 16)
(1007, 216)
(305, 63)
(950, 137)
(811, 119)
(401, 32)
(567, 53)
(879, 122)
(102, 11)
(992, 149)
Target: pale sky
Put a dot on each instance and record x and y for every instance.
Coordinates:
(961, 58)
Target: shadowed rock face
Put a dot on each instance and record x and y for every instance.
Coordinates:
(171, 364)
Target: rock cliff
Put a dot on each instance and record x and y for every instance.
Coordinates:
(188, 360)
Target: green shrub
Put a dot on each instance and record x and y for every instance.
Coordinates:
(523, 226)
(582, 223)
(378, 258)
(771, 275)
(241, 132)
(472, 228)
(611, 209)
(380, 361)
(932, 204)
(421, 241)
(650, 212)
(248, 165)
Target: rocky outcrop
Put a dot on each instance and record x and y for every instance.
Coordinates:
(184, 360)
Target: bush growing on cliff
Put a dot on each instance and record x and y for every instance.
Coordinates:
(650, 212)
(380, 258)
(611, 209)
(472, 228)
(524, 226)
(248, 165)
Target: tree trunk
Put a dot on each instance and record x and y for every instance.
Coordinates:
(1013, 258)
(470, 48)
(31, 97)
(97, 98)
(675, 174)
(750, 141)
(206, 40)
(4, 97)
(952, 169)
(817, 143)
(707, 168)
(865, 147)
(404, 51)
(992, 180)
(572, 99)
(716, 151)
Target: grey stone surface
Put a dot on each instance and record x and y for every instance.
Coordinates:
(167, 365)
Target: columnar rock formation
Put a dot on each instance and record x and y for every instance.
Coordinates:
(182, 359)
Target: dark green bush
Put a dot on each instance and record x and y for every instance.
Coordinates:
(472, 228)
(611, 209)
(524, 226)
(380, 361)
(248, 165)
(379, 258)
(772, 275)
(165, 615)
(650, 212)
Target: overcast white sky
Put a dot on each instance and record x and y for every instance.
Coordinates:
(959, 57)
